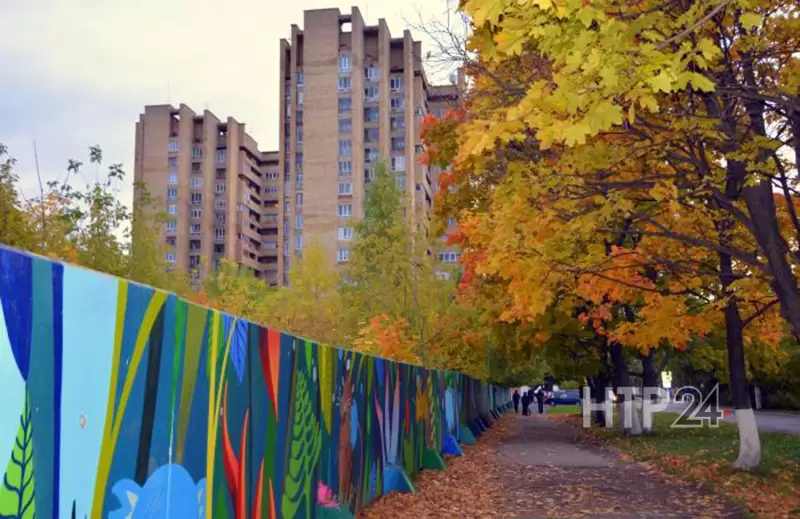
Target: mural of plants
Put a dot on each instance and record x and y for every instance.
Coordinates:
(135, 403)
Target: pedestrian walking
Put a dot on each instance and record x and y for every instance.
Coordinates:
(526, 402)
(516, 398)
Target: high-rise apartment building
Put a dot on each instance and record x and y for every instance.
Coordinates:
(351, 96)
(221, 192)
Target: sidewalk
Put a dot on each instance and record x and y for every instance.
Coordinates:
(533, 467)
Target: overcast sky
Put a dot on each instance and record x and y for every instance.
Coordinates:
(78, 72)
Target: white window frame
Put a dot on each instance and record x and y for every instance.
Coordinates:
(345, 188)
(344, 84)
(345, 210)
(300, 78)
(345, 168)
(347, 127)
(343, 255)
(221, 205)
(345, 148)
(396, 103)
(170, 257)
(221, 156)
(345, 233)
(345, 62)
(219, 188)
(298, 221)
(372, 73)
(298, 240)
(347, 109)
(196, 214)
(398, 162)
(396, 83)
(173, 145)
(299, 98)
(368, 90)
(194, 228)
(172, 209)
(299, 199)
(171, 226)
(172, 194)
(172, 179)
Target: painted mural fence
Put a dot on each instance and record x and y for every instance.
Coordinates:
(124, 402)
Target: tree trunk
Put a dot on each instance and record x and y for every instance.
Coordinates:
(622, 381)
(749, 443)
(649, 380)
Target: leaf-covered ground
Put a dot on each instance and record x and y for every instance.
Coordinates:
(537, 467)
(705, 455)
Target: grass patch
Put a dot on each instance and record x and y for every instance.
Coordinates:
(705, 455)
(563, 409)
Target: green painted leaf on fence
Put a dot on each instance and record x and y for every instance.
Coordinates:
(305, 450)
(17, 489)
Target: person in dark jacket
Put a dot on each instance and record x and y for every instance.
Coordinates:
(526, 402)
(515, 398)
(539, 395)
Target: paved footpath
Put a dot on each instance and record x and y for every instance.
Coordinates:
(556, 476)
(535, 467)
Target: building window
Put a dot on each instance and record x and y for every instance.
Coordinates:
(298, 240)
(272, 175)
(369, 174)
(194, 228)
(398, 163)
(398, 123)
(345, 84)
(219, 233)
(397, 103)
(197, 182)
(371, 93)
(345, 147)
(300, 98)
(299, 199)
(171, 226)
(343, 254)
(220, 174)
(172, 179)
(300, 78)
(298, 221)
(345, 168)
(370, 154)
(194, 261)
(172, 209)
(371, 73)
(418, 111)
(451, 221)
(400, 182)
(398, 143)
(419, 148)
(345, 209)
(345, 188)
(371, 114)
(173, 145)
(449, 257)
(219, 188)
(298, 180)
(173, 162)
(221, 204)
(298, 115)
(298, 161)
(396, 83)
(345, 63)
(287, 206)
(221, 218)
(287, 90)
(345, 233)
(197, 152)
(171, 241)
(172, 194)
(221, 156)
(371, 134)
(197, 198)
(197, 213)
(300, 137)
(170, 257)
(345, 125)
(345, 105)
(443, 275)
